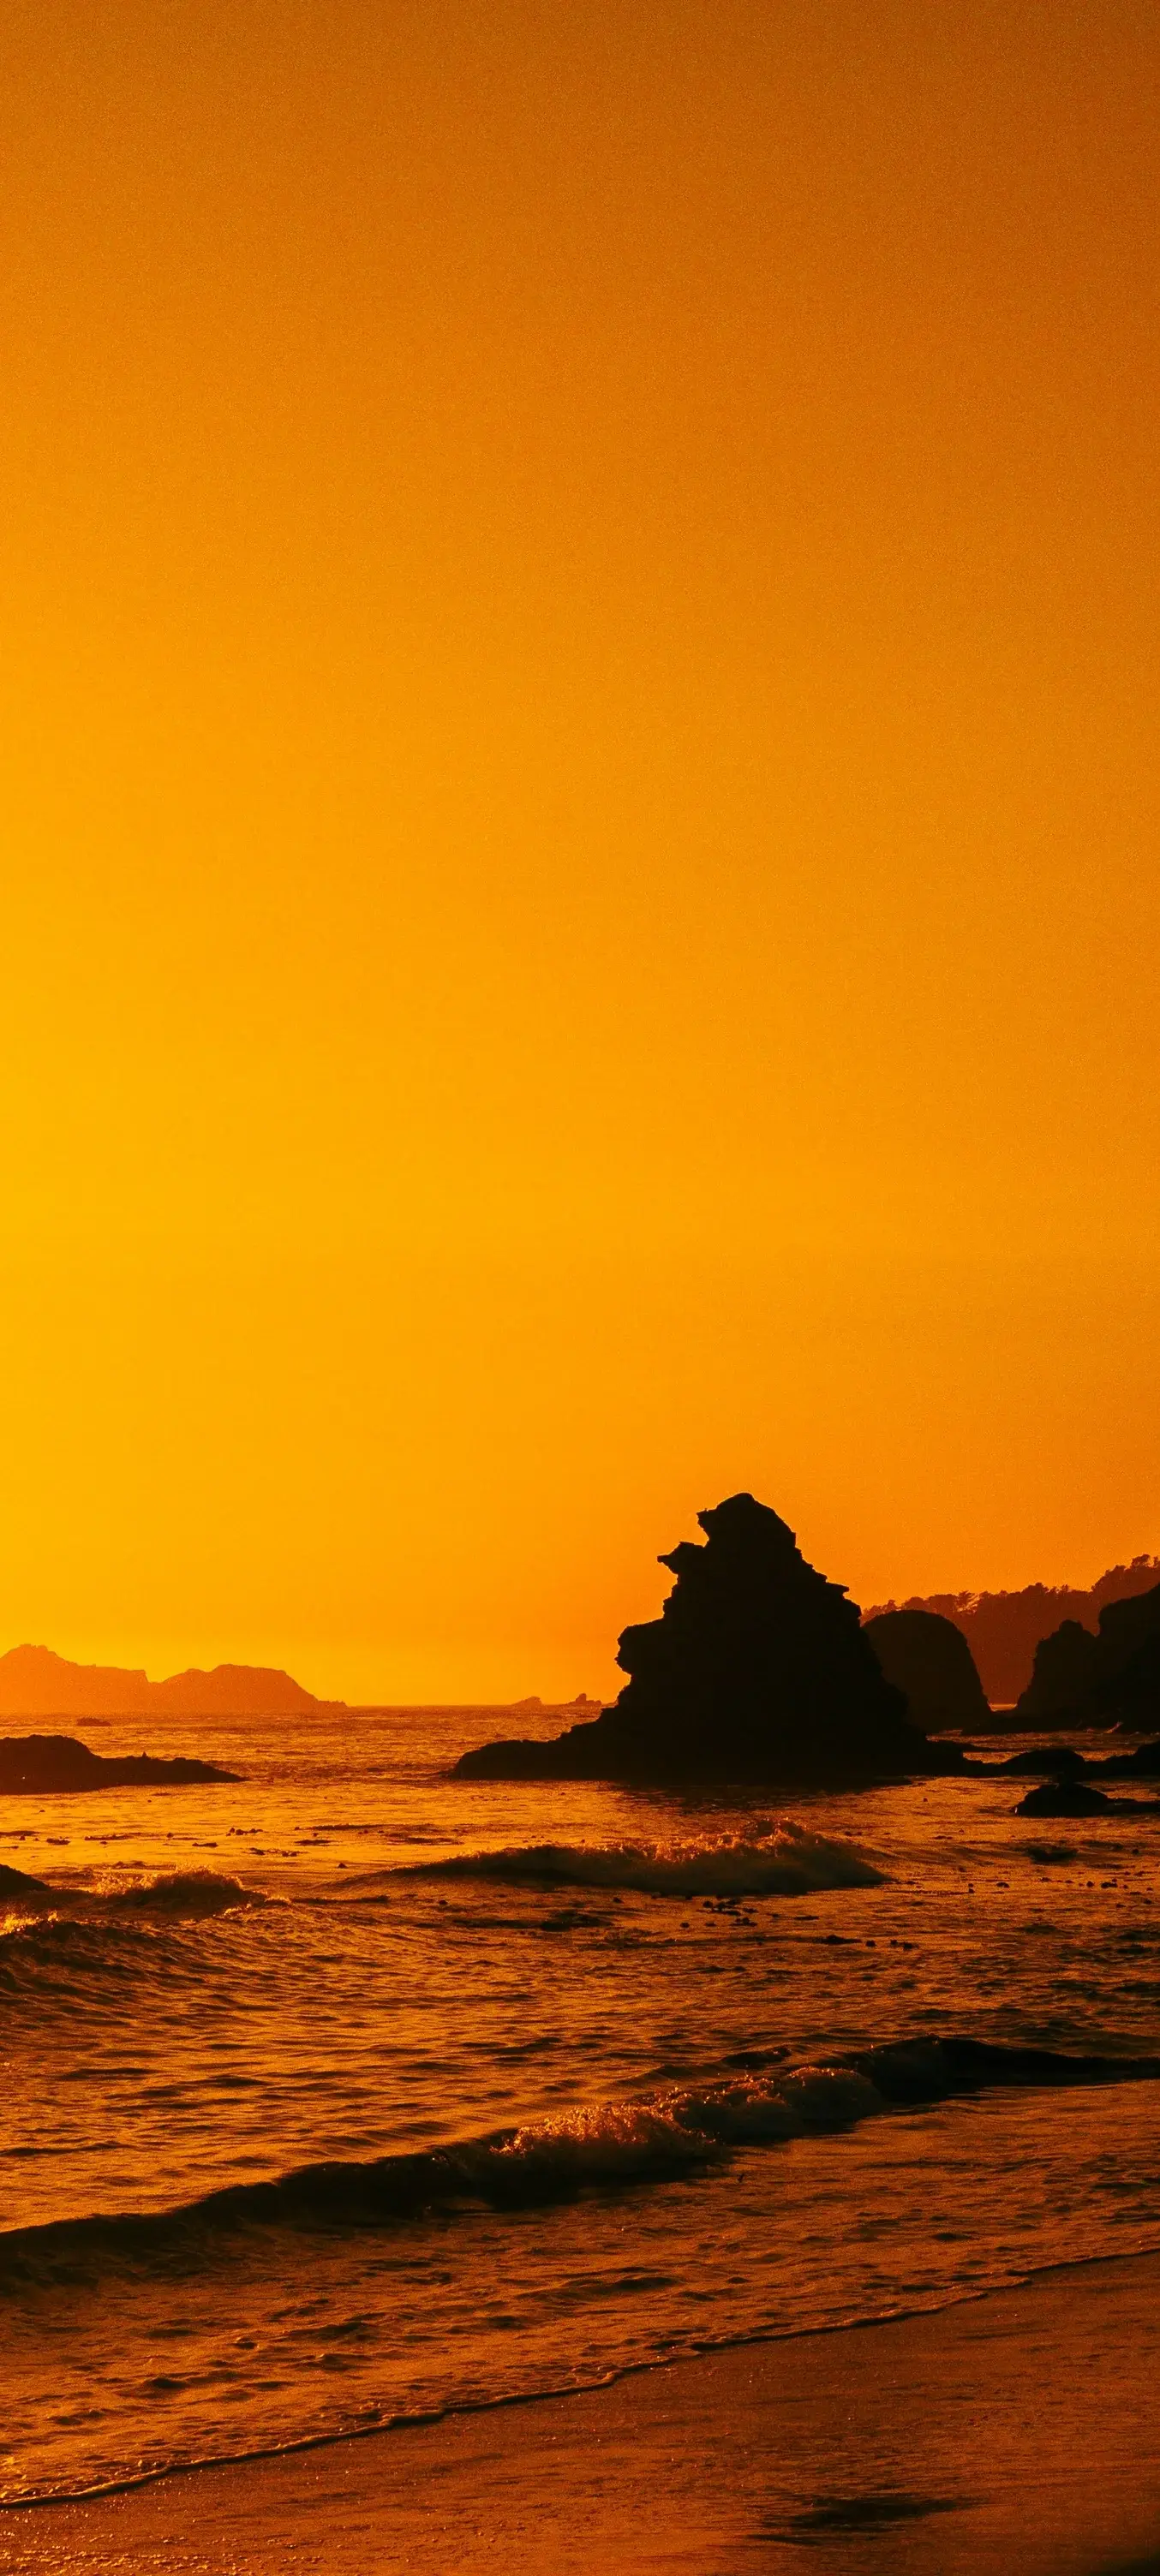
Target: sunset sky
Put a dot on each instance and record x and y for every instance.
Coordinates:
(579, 805)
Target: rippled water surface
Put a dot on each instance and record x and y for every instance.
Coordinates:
(591, 2077)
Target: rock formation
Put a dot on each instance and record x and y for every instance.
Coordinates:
(1054, 1762)
(52, 1763)
(1003, 1629)
(1098, 1681)
(929, 1661)
(1065, 1798)
(1064, 1765)
(1079, 1798)
(1143, 1763)
(758, 1670)
(1063, 1673)
(1127, 1683)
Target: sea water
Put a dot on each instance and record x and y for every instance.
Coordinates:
(348, 2092)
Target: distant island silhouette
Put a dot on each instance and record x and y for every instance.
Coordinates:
(1003, 1629)
(34, 1682)
(757, 1670)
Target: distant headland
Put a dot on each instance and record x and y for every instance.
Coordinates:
(36, 1683)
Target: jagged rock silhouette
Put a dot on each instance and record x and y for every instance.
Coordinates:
(758, 1670)
(929, 1661)
(1110, 1678)
(1064, 1672)
(1003, 1629)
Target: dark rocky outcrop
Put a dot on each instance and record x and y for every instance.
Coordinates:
(929, 1661)
(1112, 1677)
(1127, 1685)
(1003, 1629)
(1065, 1798)
(1082, 1798)
(52, 1763)
(1142, 1764)
(1063, 1674)
(758, 1670)
(1061, 1767)
(1046, 1762)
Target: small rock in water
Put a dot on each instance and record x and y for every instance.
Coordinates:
(1064, 1798)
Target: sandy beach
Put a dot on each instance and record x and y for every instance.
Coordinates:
(1023, 2427)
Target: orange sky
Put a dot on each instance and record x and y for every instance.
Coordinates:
(578, 792)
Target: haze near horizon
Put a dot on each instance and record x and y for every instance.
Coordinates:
(578, 780)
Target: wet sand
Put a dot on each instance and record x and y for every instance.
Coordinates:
(1020, 2431)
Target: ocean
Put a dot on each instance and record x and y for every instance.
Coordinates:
(349, 2093)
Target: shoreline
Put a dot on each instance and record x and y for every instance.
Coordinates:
(925, 2430)
(423, 2420)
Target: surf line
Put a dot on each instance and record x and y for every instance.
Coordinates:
(420, 2421)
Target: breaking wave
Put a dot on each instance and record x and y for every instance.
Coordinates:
(55, 1946)
(52, 1929)
(186, 1891)
(670, 2135)
(170, 1891)
(789, 1860)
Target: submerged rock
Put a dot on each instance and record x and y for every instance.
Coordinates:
(929, 1661)
(758, 1669)
(52, 1763)
(1142, 1764)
